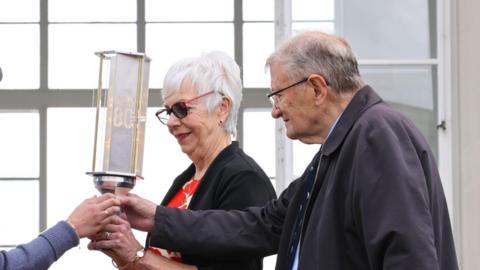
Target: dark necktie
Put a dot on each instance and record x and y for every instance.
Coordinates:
(307, 194)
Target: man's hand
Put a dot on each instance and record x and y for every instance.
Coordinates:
(140, 212)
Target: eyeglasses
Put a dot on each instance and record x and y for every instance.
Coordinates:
(179, 109)
(273, 96)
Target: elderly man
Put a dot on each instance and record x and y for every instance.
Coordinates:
(370, 199)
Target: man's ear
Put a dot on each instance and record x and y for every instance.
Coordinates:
(319, 85)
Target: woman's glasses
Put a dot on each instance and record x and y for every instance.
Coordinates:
(179, 109)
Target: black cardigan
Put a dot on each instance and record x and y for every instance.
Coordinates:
(233, 181)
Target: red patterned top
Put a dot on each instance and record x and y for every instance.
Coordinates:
(184, 195)
(181, 200)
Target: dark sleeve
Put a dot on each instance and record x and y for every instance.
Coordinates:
(41, 252)
(391, 202)
(243, 189)
(253, 232)
(232, 265)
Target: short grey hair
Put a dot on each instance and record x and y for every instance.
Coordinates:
(319, 53)
(212, 71)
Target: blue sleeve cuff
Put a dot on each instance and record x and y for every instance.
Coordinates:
(61, 237)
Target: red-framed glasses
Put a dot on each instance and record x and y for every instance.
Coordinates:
(179, 109)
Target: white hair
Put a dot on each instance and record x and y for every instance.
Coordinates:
(212, 71)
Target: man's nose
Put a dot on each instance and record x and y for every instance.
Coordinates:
(276, 113)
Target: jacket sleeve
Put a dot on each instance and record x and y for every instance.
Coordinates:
(232, 265)
(41, 252)
(243, 189)
(253, 232)
(391, 203)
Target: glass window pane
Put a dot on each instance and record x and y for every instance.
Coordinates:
(20, 56)
(302, 155)
(254, 10)
(411, 90)
(19, 11)
(313, 10)
(391, 30)
(72, 47)
(19, 141)
(328, 27)
(258, 44)
(92, 10)
(19, 208)
(190, 39)
(259, 130)
(189, 10)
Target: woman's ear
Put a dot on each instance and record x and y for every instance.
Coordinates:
(223, 108)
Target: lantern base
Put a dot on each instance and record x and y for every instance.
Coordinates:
(112, 182)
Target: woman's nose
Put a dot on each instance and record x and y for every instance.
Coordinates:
(173, 121)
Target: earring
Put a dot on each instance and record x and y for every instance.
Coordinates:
(220, 123)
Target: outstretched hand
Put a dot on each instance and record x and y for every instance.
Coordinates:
(93, 214)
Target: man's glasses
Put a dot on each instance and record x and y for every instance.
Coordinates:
(179, 109)
(273, 96)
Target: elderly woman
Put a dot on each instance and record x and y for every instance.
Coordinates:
(202, 97)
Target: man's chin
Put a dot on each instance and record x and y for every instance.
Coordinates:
(292, 135)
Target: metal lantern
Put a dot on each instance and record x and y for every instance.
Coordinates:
(121, 108)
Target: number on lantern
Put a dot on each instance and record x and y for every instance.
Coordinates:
(123, 113)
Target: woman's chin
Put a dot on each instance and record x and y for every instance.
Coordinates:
(186, 148)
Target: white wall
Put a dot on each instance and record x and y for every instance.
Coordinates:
(466, 117)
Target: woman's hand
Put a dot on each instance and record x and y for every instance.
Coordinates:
(153, 261)
(117, 241)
